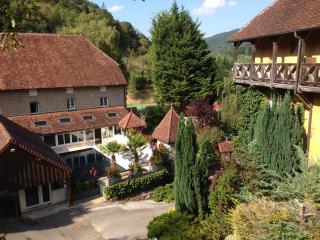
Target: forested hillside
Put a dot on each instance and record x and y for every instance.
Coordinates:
(219, 44)
(120, 40)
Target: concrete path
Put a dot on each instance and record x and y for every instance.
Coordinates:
(96, 220)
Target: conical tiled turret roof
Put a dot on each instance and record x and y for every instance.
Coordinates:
(167, 129)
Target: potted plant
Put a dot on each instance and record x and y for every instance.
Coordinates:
(135, 170)
(113, 173)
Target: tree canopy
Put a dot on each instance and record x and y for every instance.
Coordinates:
(181, 66)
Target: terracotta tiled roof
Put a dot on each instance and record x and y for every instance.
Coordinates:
(225, 147)
(166, 131)
(100, 119)
(11, 134)
(131, 121)
(54, 61)
(282, 16)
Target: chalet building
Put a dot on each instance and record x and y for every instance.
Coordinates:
(66, 91)
(286, 56)
(167, 130)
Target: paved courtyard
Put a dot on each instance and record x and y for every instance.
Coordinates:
(95, 221)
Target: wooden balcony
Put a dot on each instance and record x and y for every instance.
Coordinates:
(281, 75)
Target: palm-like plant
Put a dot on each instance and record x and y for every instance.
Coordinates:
(135, 142)
(111, 148)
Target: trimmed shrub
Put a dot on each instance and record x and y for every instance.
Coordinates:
(216, 225)
(174, 225)
(163, 194)
(137, 185)
(267, 220)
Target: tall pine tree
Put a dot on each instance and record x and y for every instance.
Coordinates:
(184, 190)
(181, 66)
(206, 159)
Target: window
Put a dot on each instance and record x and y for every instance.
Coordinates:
(91, 158)
(65, 120)
(32, 196)
(69, 161)
(89, 135)
(45, 193)
(34, 107)
(60, 139)
(80, 136)
(49, 139)
(82, 160)
(40, 123)
(76, 162)
(74, 137)
(103, 102)
(112, 115)
(87, 117)
(117, 130)
(67, 139)
(71, 104)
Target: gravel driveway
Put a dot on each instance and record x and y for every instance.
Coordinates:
(95, 221)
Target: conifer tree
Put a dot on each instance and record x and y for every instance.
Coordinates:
(184, 190)
(278, 136)
(182, 68)
(206, 159)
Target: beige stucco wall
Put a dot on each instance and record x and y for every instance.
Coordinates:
(54, 100)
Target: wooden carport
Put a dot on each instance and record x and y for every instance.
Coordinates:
(26, 161)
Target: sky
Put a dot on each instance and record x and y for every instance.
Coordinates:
(215, 16)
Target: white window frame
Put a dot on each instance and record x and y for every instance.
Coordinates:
(71, 104)
(40, 195)
(104, 102)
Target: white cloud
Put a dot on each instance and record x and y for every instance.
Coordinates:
(115, 8)
(208, 7)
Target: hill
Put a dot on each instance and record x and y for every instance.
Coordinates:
(218, 44)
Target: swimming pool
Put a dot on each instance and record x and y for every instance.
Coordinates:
(84, 160)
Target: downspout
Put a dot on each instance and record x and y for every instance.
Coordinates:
(307, 104)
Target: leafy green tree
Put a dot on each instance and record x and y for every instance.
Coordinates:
(14, 15)
(184, 190)
(181, 66)
(135, 142)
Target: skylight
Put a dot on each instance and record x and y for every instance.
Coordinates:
(65, 120)
(87, 118)
(40, 123)
(112, 115)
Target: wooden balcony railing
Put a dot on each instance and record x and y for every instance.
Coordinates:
(286, 73)
(310, 75)
(284, 76)
(262, 72)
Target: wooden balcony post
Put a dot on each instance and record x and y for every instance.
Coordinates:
(253, 59)
(235, 57)
(301, 54)
(274, 62)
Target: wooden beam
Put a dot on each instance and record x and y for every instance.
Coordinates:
(253, 59)
(69, 192)
(301, 54)
(274, 62)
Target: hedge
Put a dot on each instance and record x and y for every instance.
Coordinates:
(137, 185)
